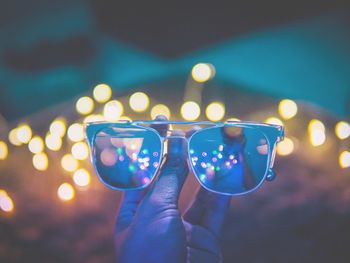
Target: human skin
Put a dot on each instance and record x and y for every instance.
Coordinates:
(150, 227)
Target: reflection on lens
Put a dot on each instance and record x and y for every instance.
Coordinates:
(229, 159)
(127, 158)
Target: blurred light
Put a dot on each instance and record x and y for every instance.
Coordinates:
(40, 161)
(109, 157)
(13, 137)
(317, 132)
(215, 111)
(160, 109)
(316, 125)
(84, 105)
(102, 93)
(233, 119)
(139, 101)
(342, 130)
(36, 144)
(80, 151)
(94, 118)
(81, 177)
(24, 133)
(190, 110)
(285, 147)
(6, 203)
(274, 121)
(287, 109)
(76, 132)
(113, 110)
(203, 72)
(125, 118)
(3, 150)
(344, 159)
(66, 192)
(58, 127)
(53, 142)
(69, 163)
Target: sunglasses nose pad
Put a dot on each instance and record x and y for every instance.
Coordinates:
(271, 175)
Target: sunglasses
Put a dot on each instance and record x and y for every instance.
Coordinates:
(231, 158)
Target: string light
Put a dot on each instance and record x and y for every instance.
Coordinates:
(139, 101)
(40, 161)
(160, 109)
(84, 105)
(274, 121)
(36, 145)
(285, 147)
(76, 132)
(287, 109)
(81, 177)
(6, 203)
(203, 72)
(317, 132)
(69, 163)
(24, 133)
(53, 142)
(66, 192)
(80, 151)
(342, 130)
(113, 110)
(58, 127)
(3, 150)
(215, 111)
(102, 93)
(190, 111)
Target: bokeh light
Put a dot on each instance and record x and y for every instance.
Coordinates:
(69, 163)
(80, 151)
(58, 127)
(316, 125)
(102, 93)
(342, 130)
(6, 203)
(36, 144)
(94, 118)
(139, 101)
(317, 132)
(203, 72)
(113, 110)
(66, 192)
(3, 150)
(76, 132)
(160, 109)
(287, 109)
(84, 105)
(190, 111)
(344, 159)
(24, 133)
(274, 121)
(40, 161)
(215, 111)
(233, 119)
(13, 137)
(53, 142)
(285, 147)
(81, 177)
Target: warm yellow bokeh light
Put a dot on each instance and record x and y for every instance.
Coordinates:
(80, 151)
(316, 125)
(274, 121)
(53, 142)
(215, 111)
(139, 101)
(24, 133)
(113, 110)
(81, 177)
(13, 137)
(3, 150)
(94, 118)
(285, 147)
(342, 130)
(203, 72)
(317, 132)
(84, 105)
(344, 159)
(36, 144)
(58, 127)
(40, 161)
(190, 111)
(76, 132)
(287, 109)
(69, 163)
(160, 109)
(102, 93)
(66, 192)
(6, 203)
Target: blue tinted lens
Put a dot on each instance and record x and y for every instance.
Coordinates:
(126, 158)
(229, 159)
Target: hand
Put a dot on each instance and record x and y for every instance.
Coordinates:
(150, 227)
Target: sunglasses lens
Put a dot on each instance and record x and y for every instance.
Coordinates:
(230, 160)
(126, 158)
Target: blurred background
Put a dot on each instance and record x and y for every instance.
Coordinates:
(64, 63)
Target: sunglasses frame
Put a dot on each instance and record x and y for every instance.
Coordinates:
(272, 133)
